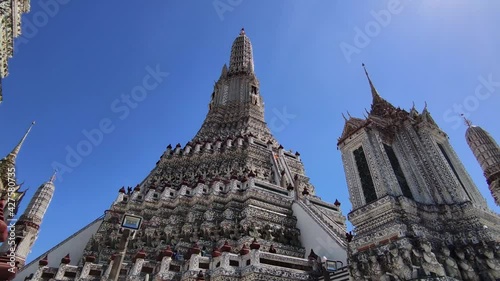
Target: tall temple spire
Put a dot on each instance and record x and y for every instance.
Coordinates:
(28, 226)
(40, 202)
(9, 162)
(233, 166)
(236, 106)
(13, 154)
(487, 153)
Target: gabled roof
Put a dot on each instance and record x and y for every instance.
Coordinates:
(351, 126)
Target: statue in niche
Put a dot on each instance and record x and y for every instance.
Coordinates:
(254, 98)
(185, 236)
(407, 258)
(398, 265)
(468, 273)
(147, 240)
(448, 238)
(173, 241)
(221, 233)
(156, 242)
(95, 245)
(266, 233)
(362, 259)
(236, 234)
(417, 260)
(376, 268)
(295, 240)
(472, 238)
(430, 263)
(490, 267)
(228, 232)
(450, 265)
(279, 236)
(288, 236)
(355, 270)
(254, 231)
(202, 235)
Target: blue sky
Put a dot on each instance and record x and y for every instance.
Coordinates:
(74, 62)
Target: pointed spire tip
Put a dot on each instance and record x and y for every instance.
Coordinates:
(53, 177)
(17, 148)
(374, 91)
(467, 121)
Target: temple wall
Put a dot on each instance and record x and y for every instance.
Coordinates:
(74, 245)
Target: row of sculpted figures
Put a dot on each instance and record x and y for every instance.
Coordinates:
(209, 231)
(406, 260)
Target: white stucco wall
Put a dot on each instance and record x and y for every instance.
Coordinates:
(313, 236)
(74, 245)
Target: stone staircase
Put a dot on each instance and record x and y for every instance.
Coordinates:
(341, 274)
(330, 227)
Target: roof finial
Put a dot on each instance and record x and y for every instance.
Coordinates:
(16, 149)
(53, 177)
(425, 106)
(349, 114)
(345, 119)
(374, 91)
(467, 121)
(242, 32)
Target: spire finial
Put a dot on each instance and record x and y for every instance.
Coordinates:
(17, 148)
(242, 32)
(374, 91)
(53, 177)
(467, 121)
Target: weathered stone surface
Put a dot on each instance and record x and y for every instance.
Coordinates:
(231, 186)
